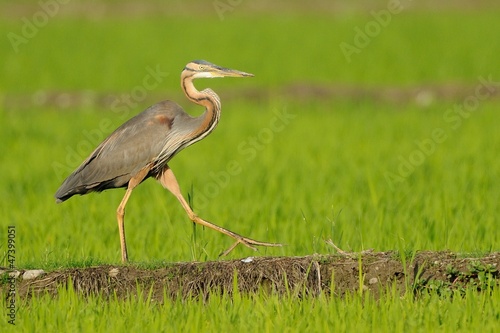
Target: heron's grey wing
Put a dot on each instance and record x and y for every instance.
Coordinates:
(131, 147)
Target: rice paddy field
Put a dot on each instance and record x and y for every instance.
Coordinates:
(372, 126)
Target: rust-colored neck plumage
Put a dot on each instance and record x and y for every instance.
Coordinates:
(207, 98)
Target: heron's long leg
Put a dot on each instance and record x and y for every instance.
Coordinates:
(120, 212)
(167, 179)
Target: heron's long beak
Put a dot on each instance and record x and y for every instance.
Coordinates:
(227, 72)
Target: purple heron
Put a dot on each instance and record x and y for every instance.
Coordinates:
(143, 146)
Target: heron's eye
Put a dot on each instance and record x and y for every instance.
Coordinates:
(202, 68)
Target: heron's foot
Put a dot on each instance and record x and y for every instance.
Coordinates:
(250, 243)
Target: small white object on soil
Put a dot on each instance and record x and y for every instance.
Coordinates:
(114, 272)
(247, 260)
(32, 274)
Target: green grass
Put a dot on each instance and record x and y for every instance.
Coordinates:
(324, 175)
(413, 48)
(263, 313)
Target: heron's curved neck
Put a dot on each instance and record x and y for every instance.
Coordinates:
(207, 98)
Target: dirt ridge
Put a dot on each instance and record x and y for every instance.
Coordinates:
(444, 272)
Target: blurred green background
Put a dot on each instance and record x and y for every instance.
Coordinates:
(366, 85)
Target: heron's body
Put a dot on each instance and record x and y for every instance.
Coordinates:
(149, 139)
(143, 146)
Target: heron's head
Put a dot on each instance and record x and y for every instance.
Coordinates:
(205, 69)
